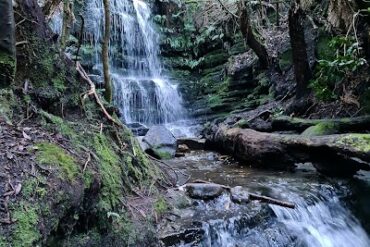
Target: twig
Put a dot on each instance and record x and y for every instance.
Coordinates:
(271, 201)
(87, 162)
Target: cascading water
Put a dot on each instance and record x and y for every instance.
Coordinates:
(323, 217)
(142, 92)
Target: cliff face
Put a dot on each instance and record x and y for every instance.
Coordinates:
(218, 73)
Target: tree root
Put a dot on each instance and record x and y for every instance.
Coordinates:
(92, 91)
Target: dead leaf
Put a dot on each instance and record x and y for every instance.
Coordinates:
(25, 136)
(9, 155)
(18, 189)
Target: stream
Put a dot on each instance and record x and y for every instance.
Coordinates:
(327, 211)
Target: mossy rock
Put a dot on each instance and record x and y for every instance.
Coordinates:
(360, 142)
(163, 155)
(321, 129)
(238, 48)
(53, 155)
(25, 232)
(243, 124)
(212, 60)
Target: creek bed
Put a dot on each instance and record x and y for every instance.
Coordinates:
(329, 212)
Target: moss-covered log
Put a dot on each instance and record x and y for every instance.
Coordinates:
(333, 154)
(322, 126)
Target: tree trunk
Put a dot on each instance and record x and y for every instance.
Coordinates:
(67, 20)
(107, 80)
(302, 70)
(251, 40)
(7, 43)
(340, 155)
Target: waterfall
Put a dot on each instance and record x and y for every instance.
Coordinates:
(141, 90)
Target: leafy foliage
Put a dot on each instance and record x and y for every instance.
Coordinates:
(332, 71)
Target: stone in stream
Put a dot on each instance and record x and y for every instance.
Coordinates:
(183, 148)
(204, 191)
(192, 143)
(138, 129)
(161, 142)
(239, 195)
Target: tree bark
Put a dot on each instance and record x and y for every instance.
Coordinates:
(67, 20)
(302, 70)
(107, 80)
(340, 125)
(7, 43)
(251, 40)
(340, 155)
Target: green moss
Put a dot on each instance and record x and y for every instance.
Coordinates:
(62, 126)
(215, 59)
(29, 186)
(7, 69)
(161, 206)
(324, 128)
(7, 105)
(238, 47)
(26, 232)
(111, 173)
(88, 178)
(242, 124)
(360, 142)
(52, 154)
(3, 242)
(163, 155)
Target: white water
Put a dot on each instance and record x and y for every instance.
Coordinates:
(323, 216)
(142, 92)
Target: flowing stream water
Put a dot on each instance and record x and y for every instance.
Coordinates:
(327, 213)
(141, 90)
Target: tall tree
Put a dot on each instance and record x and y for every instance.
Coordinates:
(302, 70)
(249, 36)
(107, 79)
(67, 21)
(7, 43)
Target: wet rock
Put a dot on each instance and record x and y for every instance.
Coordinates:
(204, 191)
(239, 195)
(138, 129)
(178, 199)
(192, 143)
(190, 236)
(179, 154)
(161, 142)
(183, 148)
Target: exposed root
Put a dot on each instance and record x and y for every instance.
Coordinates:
(92, 91)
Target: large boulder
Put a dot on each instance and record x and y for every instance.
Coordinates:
(161, 142)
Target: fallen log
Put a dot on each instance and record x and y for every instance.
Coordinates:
(332, 126)
(340, 155)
